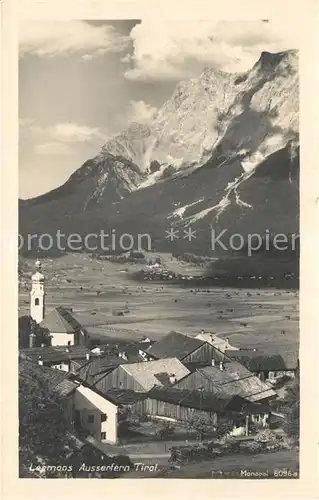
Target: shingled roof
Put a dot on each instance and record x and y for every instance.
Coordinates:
(174, 345)
(60, 320)
(257, 361)
(235, 379)
(150, 373)
(57, 381)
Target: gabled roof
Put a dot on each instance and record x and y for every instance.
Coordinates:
(232, 371)
(235, 379)
(55, 354)
(175, 345)
(58, 381)
(219, 343)
(146, 373)
(60, 320)
(257, 361)
(98, 366)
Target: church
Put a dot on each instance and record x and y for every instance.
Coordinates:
(64, 329)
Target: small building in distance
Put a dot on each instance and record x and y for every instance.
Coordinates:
(219, 343)
(59, 357)
(64, 328)
(186, 349)
(267, 366)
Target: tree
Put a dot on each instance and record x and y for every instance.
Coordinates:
(44, 433)
(202, 424)
(28, 325)
(292, 409)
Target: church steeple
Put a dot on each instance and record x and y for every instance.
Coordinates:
(37, 295)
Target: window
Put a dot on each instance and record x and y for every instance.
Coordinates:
(103, 435)
(91, 419)
(103, 417)
(69, 342)
(36, 302)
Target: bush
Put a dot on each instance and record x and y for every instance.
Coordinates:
(166, 431)
(266, 436)
(252, 446)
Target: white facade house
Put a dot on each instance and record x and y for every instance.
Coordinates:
(96, 414)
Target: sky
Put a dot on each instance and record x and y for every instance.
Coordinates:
(82, 82)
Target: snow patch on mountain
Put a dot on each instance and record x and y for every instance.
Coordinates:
(217, 118)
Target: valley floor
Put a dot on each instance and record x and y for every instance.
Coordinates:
(97, 290)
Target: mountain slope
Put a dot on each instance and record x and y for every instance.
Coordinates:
(223, 151)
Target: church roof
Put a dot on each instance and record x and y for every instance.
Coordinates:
(59, 320)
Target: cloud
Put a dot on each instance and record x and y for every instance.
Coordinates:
(52, 148)
(68, 132)
(59, 38)
(141, 112)
(58, 139)
(171, 50)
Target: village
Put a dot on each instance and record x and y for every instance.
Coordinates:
(161, 403)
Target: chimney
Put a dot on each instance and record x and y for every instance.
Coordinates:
(124, 356)
(213, 362)
(202, 331)
(87, 356)
(221, 366)
(227, 342)
(172, 379)
(40, 360)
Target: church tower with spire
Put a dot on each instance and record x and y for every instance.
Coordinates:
(37, 294)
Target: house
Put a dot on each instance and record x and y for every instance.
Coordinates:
(59, 357)
(216, 341)
(267, 366)
(227, 378)
(64, 328)
(141, 377)
(185, 348)
(56, 382)
(95, 413)
(182, 404)
(85, 408)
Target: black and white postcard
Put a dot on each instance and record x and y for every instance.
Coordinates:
(158, 325)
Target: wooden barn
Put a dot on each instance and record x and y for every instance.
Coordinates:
(141, 377)
(227, 378)
(186, 349)
(182, 405)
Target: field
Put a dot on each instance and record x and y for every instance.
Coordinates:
(99, 290)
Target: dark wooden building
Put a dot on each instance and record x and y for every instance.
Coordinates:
(267, 366)
(186, 349)
(229, 379)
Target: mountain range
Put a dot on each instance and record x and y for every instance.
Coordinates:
(222, 153)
